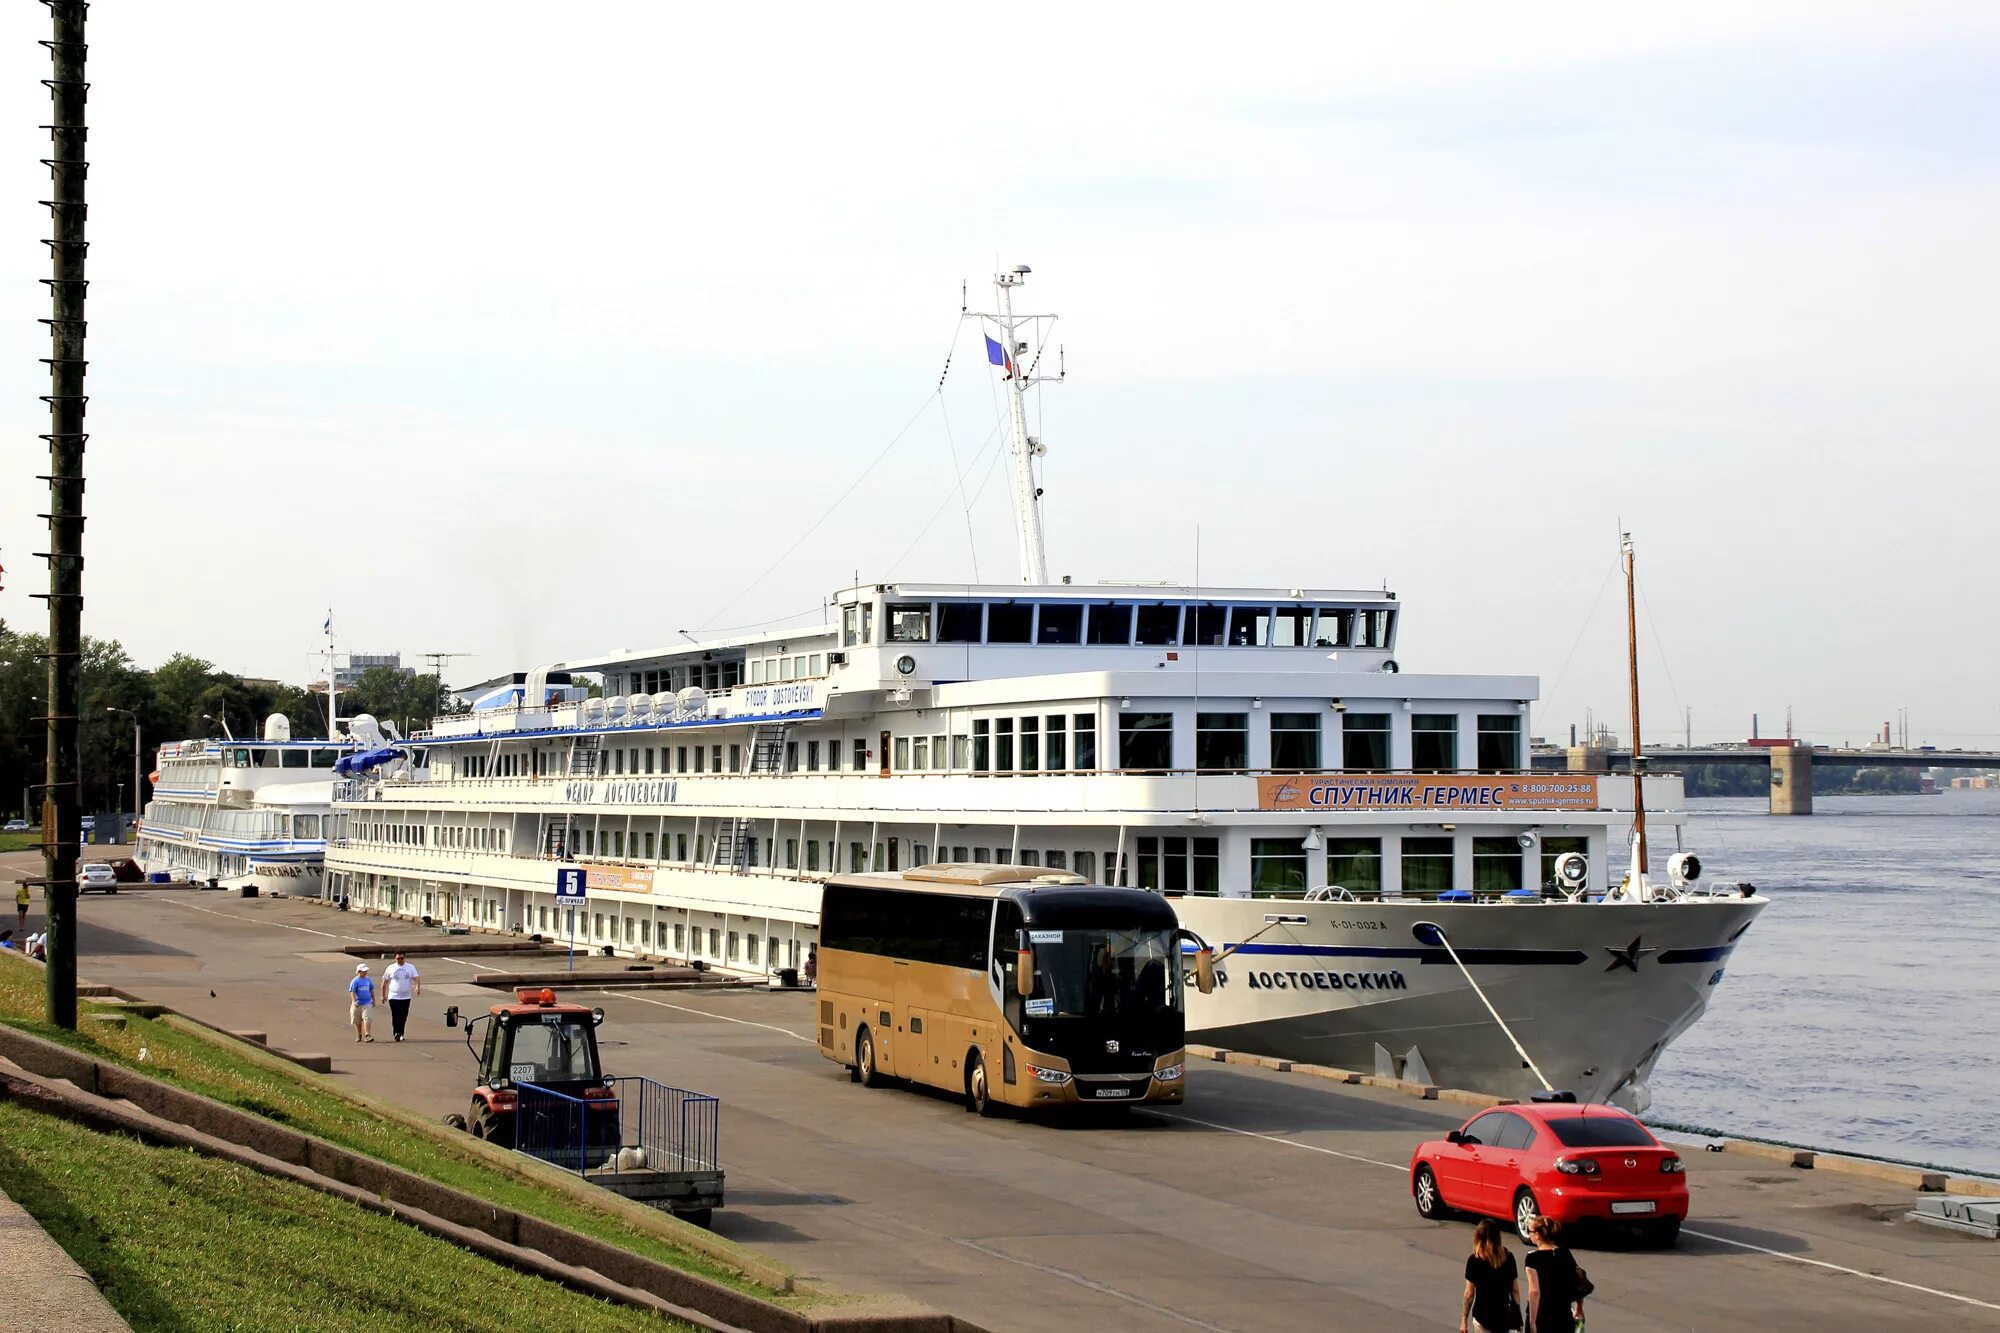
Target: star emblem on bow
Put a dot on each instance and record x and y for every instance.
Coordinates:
(1628, 956)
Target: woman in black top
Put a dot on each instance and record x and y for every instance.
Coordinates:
(1490, 1286)
(1553, 1303)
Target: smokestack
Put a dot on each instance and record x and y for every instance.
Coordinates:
(1753, 726)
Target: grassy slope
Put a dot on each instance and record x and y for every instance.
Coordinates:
(180, 1242)
(303, 1102)
(20, 842)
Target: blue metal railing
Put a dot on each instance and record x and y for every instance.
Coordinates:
(672, 1129)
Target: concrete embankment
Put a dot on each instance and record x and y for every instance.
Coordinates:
(45, 1288)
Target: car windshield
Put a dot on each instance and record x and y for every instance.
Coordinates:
(1101, 972)
(1600, 1131)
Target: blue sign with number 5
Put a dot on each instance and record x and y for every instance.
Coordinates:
(569, 884)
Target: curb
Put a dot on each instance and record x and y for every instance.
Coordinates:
(1910, 1177)
(46, 1288)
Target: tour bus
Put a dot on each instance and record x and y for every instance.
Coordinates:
(1010, 985)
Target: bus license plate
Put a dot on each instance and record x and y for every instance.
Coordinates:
(1646, 1207)
(1114, 1092)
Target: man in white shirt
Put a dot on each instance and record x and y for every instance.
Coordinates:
(402, 984)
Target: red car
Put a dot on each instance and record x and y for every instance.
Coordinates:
(1573, 1162)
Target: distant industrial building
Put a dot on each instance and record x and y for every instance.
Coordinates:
(345, 676)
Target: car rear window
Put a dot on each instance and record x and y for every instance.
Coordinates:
(1600, 1131)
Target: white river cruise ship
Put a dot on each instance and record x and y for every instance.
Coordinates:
(1389, 884)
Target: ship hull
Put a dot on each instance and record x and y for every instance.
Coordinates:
(1592, 991)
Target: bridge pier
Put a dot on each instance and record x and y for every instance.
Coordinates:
(1791, 780)
(1589, 759)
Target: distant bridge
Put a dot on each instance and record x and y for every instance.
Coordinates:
(1791, 765)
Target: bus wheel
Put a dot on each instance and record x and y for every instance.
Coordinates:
(864, 1060)
(978, 1096)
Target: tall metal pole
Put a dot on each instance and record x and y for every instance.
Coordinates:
(1638, 758)
(61, 808)
(1027, 496)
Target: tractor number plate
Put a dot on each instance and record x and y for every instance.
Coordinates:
(521, 1073)
(552, 1020)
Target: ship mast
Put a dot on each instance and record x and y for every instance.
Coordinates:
(1639, 865)
(1023, 448)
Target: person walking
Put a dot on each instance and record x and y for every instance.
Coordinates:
(1556, 1286)
(402, 984)
(812, 965)
(362, 1004)
(21, 904)
(1492, 1290)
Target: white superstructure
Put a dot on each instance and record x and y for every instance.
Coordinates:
(1365, 842)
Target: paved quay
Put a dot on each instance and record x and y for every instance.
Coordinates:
(1270, 1202)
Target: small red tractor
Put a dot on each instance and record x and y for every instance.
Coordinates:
(538, 1041)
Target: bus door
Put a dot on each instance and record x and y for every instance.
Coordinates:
(913, 1040)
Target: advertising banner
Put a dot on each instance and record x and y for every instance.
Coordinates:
(1428, 791)
(619, 879)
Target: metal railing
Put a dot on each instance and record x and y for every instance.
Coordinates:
(672, 1129)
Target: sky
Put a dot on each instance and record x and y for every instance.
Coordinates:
(530, 332)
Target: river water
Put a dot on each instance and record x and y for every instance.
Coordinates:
(1862, 1011)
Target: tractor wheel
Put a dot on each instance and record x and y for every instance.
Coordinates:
(456, 1121)
(495, 1129)
(978, 1093)
(864, 1060)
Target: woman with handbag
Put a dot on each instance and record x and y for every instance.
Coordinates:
(1556, 1286)
(1492, 1293)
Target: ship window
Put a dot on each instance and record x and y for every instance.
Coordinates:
(1084, 725)
(1060, 623)
(961, 622)
(1056, 860)
(1277, 868)
(1372, 629)
(1205, 626)
(1434, 742)
(1084, 864)
(938, 753)
(1003, 744)
(1332, 629)
(1009, 622)
(1055, 748)
(1496, 865)
(961, 752)
(1145, 740)
(920, 752)
(305, 826)
(756, 671)
(815, 666)
(293, 758)
(812, 853)
(1499, 742)
(1291, 627)
(1221, 741)
(1355, 863)
(1110, 622)
(1365, 743)
(858, 756)
(1159, 626)
(1031, 744)
(902, 764)
(1250, 626)
(812, 756)
(1295, 742)
(981, 856)
(1426, 865)
(909, 622)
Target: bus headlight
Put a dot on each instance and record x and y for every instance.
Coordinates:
(1058, 1077)
(1169, 1074)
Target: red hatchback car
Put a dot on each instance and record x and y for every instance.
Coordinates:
(1572, 1162)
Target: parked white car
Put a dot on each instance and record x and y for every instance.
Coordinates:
(96, 875)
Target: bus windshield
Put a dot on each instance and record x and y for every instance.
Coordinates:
(1098, 973)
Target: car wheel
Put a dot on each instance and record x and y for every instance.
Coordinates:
(978, 1095)
(864, 1060)
(1526, 1213)
(1665, 1233)
(1430, 1202)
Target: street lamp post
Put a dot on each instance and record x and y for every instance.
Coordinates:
(137, 790)
(224, 720)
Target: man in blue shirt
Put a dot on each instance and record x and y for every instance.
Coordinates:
(362, 989)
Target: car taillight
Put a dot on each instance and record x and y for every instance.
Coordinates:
(1577, 1166)
(1673, 1166)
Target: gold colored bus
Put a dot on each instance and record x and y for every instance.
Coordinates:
(1009, 985)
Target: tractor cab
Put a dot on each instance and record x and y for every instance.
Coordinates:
(542, 1042)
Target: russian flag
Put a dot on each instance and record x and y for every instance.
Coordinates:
(998, 356)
